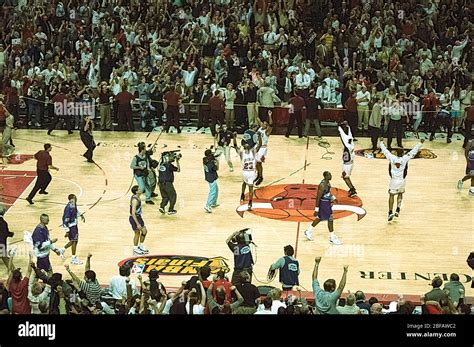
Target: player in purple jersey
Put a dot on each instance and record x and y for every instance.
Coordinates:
(70, 219)
(137, 223)
(469, 153)
(324, 201)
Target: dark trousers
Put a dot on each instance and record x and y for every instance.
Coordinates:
(291, 123)
(351, 118)
(395, 125)
(125, 121)
(263, 113)
(241, 118)
(115, 111)
(374, 135)
(88, 141)
(56, 120)
(42, 182)
(203, 117)
(430, 120)
(467, 131)
(447, 122)
(216, 117)
(236, 275)
(168, 194)
(172, 118)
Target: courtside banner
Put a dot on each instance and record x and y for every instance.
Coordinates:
(174, 265)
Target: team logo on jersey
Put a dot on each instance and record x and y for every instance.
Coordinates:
(297, 203)
(369, 153)
(174, 265)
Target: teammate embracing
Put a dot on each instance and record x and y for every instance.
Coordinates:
(347, 156)
(264, 132)
(398, 170)
(137, 223)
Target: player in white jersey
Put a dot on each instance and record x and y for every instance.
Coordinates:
(264, 133)
(398, 170)
(347, 156)
(248, 159)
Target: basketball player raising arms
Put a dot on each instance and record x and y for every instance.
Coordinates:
(469, 153)
(398, 170)
(248, 159)
(264, 132)
(324, 201)
(347, 156)
(136, 221)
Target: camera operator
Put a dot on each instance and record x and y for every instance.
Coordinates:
(151, 177)
(239, 244)
(211, 165)
(141, 167)
(166, 179)
(289, 268)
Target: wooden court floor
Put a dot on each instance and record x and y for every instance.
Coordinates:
(433, 235)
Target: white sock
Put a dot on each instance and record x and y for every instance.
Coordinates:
(141, 245)
(73, 256)
(332, 235)
(310, 228)
(135, 248)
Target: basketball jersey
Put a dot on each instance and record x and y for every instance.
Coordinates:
(263, 134)
(138, 210)
(470, 158)
(248, 162)
(327, 196)
(250, 138)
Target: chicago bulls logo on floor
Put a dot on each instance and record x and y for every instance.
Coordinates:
(297, 203)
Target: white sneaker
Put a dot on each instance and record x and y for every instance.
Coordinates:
(335, 241)
(76, 261)
(231, 169)
(459, 185)
(143, 249)
(309, 234)
(215, 205)
(207, 209)
(61, 252)
(12, 252)
(471, 192)
(138, 251)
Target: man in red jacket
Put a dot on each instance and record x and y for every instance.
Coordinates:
(296, 106)
(172, 99)
(124, 113)
(217, 106)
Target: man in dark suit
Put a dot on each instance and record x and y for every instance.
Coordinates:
(346, 55)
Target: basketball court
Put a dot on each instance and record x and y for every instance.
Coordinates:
(432, 236)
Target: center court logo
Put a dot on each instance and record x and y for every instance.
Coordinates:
(297, 203)
(175, 264)
(37, 330)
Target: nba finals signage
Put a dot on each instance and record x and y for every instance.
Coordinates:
(174, 264)
(297, 203)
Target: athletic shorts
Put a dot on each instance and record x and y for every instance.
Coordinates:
(469, 172)
(261, 154)
(134, 225)
(346, 170)
(44, 263)
(325, 210)
(73, 233)
(248, 177)
(397, 186)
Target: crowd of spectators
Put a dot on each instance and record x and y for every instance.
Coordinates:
(39, 292)
(349, 54)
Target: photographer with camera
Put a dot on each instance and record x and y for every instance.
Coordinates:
(239, 244)
(289, 268)
(141, 167)
(166, 179)
(211, 165)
